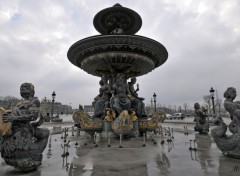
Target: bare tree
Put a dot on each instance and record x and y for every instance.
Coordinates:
(185, 105)
(175, 108)
(10, 98)
(169, 109)
(180, 108)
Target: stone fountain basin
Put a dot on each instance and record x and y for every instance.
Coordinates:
(106, 54)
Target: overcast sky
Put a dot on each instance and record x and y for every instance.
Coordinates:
(202, 38)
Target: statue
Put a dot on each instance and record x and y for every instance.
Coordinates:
(159, 116)
(102, 100)
(151, 124)
(84, 121)
(76, 116)
(120, 101)
(229, 144)
(133, 115)
(202, 124)
(137, 102)
(23, 148)
(5, 127)
(110, 115)
(123, 124)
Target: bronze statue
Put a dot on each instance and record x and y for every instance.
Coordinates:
(87, 123)
(76, 116)
(137, 102)
(202, 123)
(23, 148)
(120, 101)
(229, 144)
(102, 100)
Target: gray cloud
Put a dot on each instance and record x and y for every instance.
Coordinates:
(203, 41)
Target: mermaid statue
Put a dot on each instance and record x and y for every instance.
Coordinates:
(229, 144)
(23, 147)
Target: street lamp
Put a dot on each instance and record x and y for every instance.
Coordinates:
(53, 99)
(151, 105)
(45, 104)
(154, 100)
(212, 96)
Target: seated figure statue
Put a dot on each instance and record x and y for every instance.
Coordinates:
(23, 148)
(120, 101)
(229, 144)
(102, 100)
(137, 102)
(202, 125)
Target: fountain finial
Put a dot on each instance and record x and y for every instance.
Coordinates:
(117, 5)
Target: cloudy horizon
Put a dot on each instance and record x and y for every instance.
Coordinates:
(202, 39)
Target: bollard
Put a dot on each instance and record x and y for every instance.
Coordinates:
(153, 140)
(72, 130)
(85, 139)
(96, 145)
(144, 139)
(169, 139)
(190, 148)
(172, 134)
(94, 138)
(64, 154)
(120, 141)
(195, 149)
(67, 146)
(62, 134)
(78, 131)
(165, 131)
(109, 139)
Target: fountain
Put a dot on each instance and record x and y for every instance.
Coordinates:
(116, 56)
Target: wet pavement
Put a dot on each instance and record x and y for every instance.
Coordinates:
(167, 158)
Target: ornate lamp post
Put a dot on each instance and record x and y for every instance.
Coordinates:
(154, 100)
(45, 104)
(212, 96)
(53, 99)
(151, 105)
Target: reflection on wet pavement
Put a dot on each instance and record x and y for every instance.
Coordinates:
(169, 156)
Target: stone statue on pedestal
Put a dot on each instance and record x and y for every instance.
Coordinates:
(229, 144)
(23, 148)
(202, 123)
